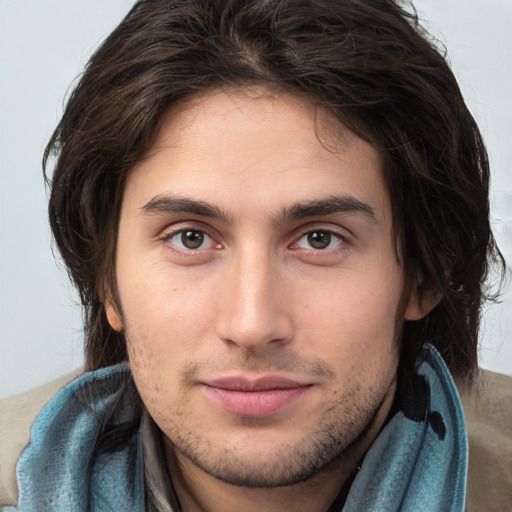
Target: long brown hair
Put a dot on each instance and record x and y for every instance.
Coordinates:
(368, 61)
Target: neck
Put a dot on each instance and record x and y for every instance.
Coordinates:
(198, 491)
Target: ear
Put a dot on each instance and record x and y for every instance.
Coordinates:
(113, 316)
(421, 303)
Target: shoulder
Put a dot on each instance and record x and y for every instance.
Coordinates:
(488, 411)
(16, 417)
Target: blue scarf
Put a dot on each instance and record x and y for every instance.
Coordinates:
(85, 452)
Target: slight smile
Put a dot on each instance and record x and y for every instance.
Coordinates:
(254, 398)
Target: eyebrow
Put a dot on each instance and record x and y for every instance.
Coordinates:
(171, 204)
(327, 206)
(313, 208)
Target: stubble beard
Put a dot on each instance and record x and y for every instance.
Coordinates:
(333, 443)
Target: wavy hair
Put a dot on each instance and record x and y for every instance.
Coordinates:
(368, 61)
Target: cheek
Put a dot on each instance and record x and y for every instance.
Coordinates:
(354, 317)
(156, 357)
(167, 318)
(165, 307)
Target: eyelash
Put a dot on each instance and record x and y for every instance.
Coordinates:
(342, 241)
(187, 251)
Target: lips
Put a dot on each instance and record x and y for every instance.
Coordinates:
(254, 398)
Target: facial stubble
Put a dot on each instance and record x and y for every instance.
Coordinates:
(333, 440)
(326, 447)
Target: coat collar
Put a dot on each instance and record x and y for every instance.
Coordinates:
(418, 463)
(86, 449)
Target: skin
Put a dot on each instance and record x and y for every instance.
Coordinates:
(270, 288)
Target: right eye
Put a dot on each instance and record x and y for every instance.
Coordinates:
(186, 240)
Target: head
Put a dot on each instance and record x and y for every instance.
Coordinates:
(364, 79)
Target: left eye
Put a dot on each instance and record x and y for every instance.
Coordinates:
(191, 239)
(319, 240)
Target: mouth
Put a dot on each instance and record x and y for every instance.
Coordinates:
(254, 398)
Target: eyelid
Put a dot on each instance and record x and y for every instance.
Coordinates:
(169, 232)
(332, 234)
(321, 256)
(183, 225)
(334, 229)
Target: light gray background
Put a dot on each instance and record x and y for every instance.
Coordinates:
(44, 45)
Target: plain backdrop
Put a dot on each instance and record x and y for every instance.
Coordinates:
(44, 44)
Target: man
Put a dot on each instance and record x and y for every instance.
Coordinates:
(276, 215)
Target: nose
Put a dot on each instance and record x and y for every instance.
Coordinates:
(254, 308)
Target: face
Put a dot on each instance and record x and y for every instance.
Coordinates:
(259, 287)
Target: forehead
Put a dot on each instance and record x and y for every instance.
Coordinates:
(256, 149)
